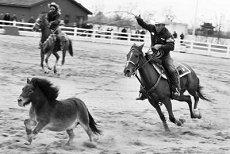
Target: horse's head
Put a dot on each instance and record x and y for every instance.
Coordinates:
(41, 22)
(133, 59)
(26, 95)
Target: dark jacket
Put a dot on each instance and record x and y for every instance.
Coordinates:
(53, 18)
(164, 37)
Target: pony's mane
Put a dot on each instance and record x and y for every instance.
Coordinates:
(49, 90)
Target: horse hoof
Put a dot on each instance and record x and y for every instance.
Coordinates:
(197, 114)
(27, 143)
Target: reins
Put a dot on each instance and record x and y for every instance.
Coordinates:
(142, 84)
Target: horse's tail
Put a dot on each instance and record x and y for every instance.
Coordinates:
(70, 48)
(93, 125)
(199, 93)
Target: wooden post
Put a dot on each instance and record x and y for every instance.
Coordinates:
(75, 31)
(111, 39)
(209, 49)
(228, 52)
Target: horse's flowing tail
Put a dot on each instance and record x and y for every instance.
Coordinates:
(199, 93)
(92, 125)
(70, 48)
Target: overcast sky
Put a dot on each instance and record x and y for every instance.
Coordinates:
(208, 10)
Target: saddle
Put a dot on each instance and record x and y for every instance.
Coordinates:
(181, 68)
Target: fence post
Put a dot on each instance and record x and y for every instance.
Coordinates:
(111, 35)
(129, 37)
(75, 31)
(209, 49)
(14, 23)
(94, 36)
(191, 46)
(228, 52)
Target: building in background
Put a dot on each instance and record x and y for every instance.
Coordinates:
(73, 13)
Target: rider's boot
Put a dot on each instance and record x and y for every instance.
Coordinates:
(176, 84)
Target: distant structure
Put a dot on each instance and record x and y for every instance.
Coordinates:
(178, 27)
(73, 13)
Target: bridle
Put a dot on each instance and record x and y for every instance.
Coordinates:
(137, 67)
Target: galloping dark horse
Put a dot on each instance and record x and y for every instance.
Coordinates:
(42, 23)
(158, 89)
(47, 112)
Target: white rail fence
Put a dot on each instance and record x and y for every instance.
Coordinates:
(112, 37)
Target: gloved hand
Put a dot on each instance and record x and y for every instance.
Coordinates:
(157, 46)
(138, 17)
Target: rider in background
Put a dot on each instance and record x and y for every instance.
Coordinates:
(53, 17)
(162, 41)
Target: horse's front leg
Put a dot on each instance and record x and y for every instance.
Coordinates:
(42, 58)
(168, 105)
(63, 56)
(47, 60)
(156, 105)
(56, 62)
(29, 124)
(37, 129)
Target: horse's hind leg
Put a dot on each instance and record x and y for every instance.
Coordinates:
(187, 99)
(71, 136)
(56, 62)
(196, 99)
(87, 130)
(168, 105)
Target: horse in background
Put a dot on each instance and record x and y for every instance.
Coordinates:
(56, 115)
(49, 44)
(158, 89)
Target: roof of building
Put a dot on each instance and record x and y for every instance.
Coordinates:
(31, 3)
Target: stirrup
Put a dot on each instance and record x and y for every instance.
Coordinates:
(141, 97)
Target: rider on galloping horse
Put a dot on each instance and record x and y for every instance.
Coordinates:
(53, 18)
(162, 41)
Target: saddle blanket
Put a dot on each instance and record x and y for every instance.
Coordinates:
(182, 69)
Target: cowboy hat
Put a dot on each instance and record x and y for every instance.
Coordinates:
(54, 5)
(159, 20)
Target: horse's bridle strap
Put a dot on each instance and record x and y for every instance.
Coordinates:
(131, 62)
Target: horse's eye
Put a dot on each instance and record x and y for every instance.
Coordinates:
(30, 91)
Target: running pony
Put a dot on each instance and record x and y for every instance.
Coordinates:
(56, 115)
(50, 46)
(158, 89)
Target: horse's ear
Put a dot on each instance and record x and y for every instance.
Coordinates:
(141, 47)
(28, 81)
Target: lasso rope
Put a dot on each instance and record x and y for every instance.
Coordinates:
(130, 13)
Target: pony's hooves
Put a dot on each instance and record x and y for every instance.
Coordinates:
(179, 122)
(182, 120)
(67, 144)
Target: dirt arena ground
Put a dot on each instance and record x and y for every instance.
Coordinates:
(95, 75)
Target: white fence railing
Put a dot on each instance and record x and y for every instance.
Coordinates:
(113, 37)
